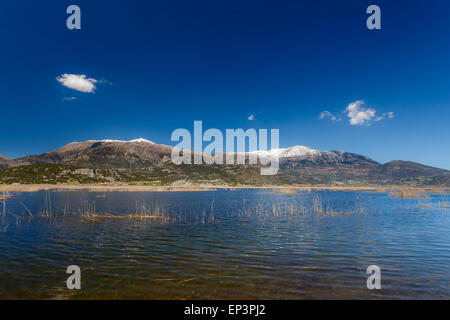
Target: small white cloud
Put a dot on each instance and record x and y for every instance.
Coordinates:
(359, 114)
(251, 117)
(104, 81)
(390, 115)
(69, 98)
(78, 82)
(328, 115)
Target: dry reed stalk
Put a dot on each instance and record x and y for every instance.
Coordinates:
(127, 216)
(409, 193)
(284, 191)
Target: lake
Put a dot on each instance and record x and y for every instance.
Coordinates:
(224, 244)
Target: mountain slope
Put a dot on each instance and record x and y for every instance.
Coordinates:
(103, 154)
(143, 160)
(353, 169)
(408, 172)
(4, 161)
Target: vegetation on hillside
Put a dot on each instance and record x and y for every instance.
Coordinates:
(167, 173)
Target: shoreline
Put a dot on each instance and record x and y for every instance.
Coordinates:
(199, 188)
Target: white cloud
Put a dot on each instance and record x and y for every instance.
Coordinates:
(328, 115)
(69, 98)
(390, 115)
(359, 114)
(104, 81)
(251, 117)
(78, 82)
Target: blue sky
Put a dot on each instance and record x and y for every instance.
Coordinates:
(160, 65)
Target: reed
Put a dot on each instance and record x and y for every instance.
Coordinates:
(27, 209)
(47, 211)
(444, 205)
(143, 212)
(4, 224)
(317, 205)
(284, 191)
(408, 193)
(126, 216)
(211, 218)
(87, 210)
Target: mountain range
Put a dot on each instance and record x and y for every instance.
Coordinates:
(144, 160)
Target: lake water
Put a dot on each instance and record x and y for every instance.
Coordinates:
(225, 244)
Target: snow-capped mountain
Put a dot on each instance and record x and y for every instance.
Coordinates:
(300, 156)
(298, 164)
(139, 140)
(296, 151)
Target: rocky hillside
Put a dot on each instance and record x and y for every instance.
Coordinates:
(108, 154)
(144, 161)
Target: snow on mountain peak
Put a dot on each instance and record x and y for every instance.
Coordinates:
(139, 140)
(108, 140)
(142, 140)
(294, 151)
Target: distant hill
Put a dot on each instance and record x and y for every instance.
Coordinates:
(4, 161)
(143, 160)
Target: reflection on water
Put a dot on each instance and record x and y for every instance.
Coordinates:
(224, 245)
